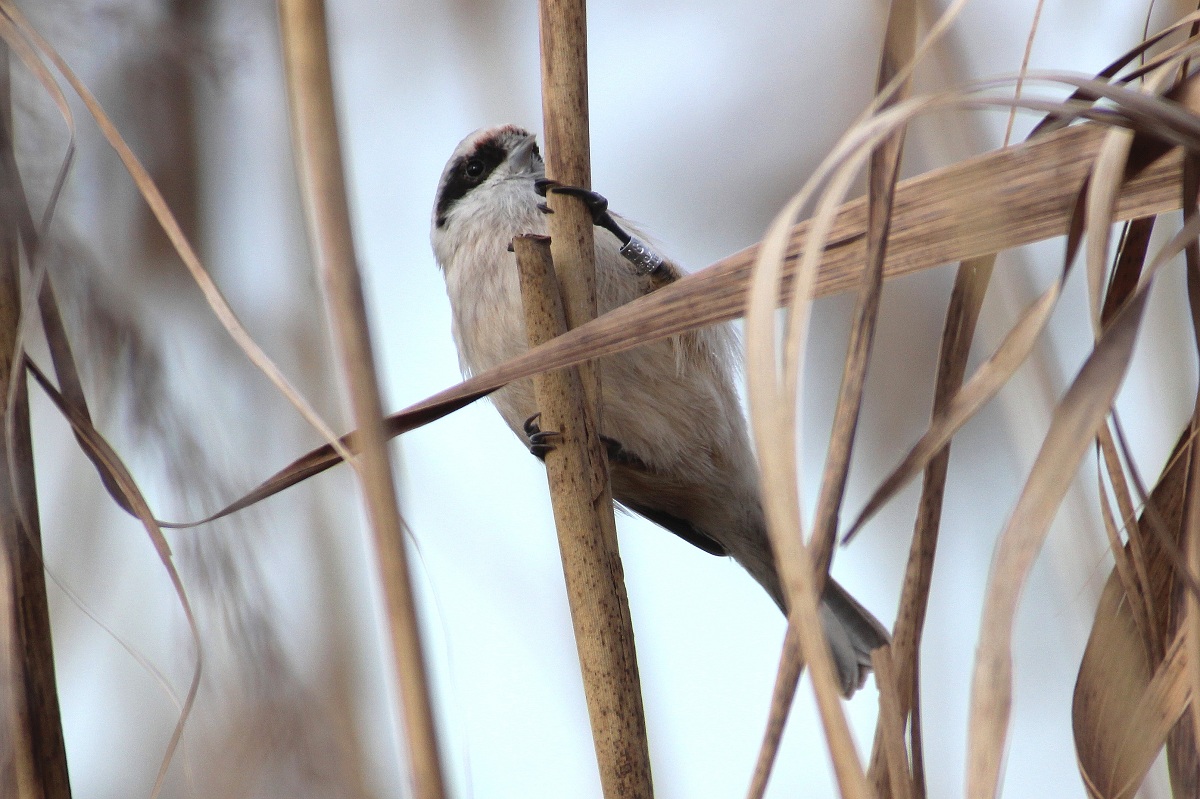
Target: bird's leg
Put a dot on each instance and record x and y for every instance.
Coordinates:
(540, 441)
(644, 259)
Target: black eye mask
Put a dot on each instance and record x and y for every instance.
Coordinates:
(468, 172)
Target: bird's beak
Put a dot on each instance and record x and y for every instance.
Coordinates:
(524, 158)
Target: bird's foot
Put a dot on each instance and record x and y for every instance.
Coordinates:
(540, 441)
(597, 204)
(643, 257)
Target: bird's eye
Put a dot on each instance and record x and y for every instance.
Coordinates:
(475, 169)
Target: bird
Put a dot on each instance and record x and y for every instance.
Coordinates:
(679, 450)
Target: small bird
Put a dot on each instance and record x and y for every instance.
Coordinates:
(679, 452)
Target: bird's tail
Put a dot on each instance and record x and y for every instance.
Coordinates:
(853, 633)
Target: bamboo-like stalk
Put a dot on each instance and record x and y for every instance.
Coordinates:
(587, 541)
(601, 614)
(37, 762)
(563, 28)
(319, 164)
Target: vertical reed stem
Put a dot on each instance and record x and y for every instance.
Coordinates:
(587, 542)
(319, 165)
(35, 763)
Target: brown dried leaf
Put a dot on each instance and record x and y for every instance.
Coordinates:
(1120, 714)
(1073, 425)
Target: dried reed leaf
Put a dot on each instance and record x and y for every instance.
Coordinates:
(1055, 122)
(1120, 713)
(1190, 536)
(1103, 190)
(992, 375)
(107, 459)
(1019, 341)
(1073, 425)
(1163, 514)
(145, 185)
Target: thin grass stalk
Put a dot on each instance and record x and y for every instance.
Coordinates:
(783, 693)
(39, 760)
(610, 684)
(962, 315)
(323, 190)
(896, 780)
(621, 746)
(1124, 563)
(882, 176)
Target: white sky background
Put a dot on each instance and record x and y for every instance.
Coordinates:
(705, 118)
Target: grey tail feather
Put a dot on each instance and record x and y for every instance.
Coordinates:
(852, 631)
(853, 634)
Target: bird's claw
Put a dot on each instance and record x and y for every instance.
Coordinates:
(643, 257)
(540, 441)
(597, 204)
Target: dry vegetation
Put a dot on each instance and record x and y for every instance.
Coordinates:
(1119, 154)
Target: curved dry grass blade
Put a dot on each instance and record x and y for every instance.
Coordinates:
(104, 456)
(989, 378)
(1055, 122)
(31, 236)
(1103, 190)
(1162, 513)
(1073, 425)
(1131, 565)
(774, 418)
(1165, 527)
(1019, 341)
(170, 226)
(888, 93)
(1152, 114)
(773, 411)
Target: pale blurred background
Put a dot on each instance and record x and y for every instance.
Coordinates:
(705, 118)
